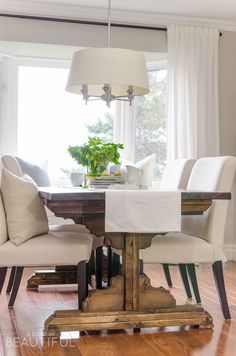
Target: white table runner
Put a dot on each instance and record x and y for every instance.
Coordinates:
(142, 211)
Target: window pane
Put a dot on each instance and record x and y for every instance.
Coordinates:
(50, 119)
(150, 117)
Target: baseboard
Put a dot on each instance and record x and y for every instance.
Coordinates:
(230, 251)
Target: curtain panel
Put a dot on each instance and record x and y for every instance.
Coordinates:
(8, 105)
(193, 114)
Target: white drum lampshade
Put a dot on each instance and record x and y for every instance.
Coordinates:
(108, 74)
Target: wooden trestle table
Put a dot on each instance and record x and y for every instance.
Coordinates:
(130, 301)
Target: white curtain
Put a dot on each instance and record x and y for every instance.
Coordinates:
(8, 105)
(193, 118)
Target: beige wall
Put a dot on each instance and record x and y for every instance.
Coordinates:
(80, 35)
(227, 106)
(227, 92)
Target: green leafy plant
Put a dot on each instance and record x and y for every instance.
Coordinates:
(96, 155)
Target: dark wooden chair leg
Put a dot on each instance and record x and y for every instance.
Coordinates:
(98, 268)
(16, 285)
(193, 279)
(116, 266)
(220, 286)
(166, 270)
(140, 266)
(11, 280)
(3, 272)
(82, 281)
(184, 276)
(109, 265)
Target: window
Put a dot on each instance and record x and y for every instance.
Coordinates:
(50, 119)
(150, 121)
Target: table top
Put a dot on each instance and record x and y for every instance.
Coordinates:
(56, 193)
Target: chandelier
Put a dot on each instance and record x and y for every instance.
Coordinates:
(108, 73)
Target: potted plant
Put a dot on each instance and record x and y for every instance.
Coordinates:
(96, 155)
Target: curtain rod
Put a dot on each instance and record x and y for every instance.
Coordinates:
(84, 22)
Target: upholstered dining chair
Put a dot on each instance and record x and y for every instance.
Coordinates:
(201, 238)
(26, 248)
(20, 167)
(176, 176)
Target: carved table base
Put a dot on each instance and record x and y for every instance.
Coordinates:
(51, 277)
(130, 302)
(66, 320)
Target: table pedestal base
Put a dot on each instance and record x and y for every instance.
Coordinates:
(112, 298)
(52, 277)
(75, 320)
(104, 309)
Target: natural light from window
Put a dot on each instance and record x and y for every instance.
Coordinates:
(50, 119)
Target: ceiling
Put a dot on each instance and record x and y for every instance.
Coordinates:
(221, 13)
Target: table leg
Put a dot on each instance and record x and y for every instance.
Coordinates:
(131, 259)
(130, 302)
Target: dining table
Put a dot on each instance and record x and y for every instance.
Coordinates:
(130, 301)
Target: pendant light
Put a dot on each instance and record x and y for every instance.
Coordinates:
(108, 73)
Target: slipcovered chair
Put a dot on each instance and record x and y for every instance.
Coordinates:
(20, 167)
(176, 176)
(49, 249)
(177, 173)
(202, 236)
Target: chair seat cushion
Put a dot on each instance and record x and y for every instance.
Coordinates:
(178, 248)
(55, 248)
(26, 216)
(98, 241)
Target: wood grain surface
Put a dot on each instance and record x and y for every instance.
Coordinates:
(21, 329)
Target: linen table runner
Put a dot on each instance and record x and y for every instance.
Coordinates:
(142, 211)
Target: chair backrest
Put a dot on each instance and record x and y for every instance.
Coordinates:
(211, 174)
(176, 174)
(37, 173)
(18, 166)
(10, 163)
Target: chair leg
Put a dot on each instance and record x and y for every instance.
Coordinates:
(166, 271)
(98, 269)
(82, 280)
(16, 285)
(184, 276)
(109, 265)
(220, 286)
(11, 280)
(116, 265)
(3, 272)
(140, 266)
(193, 279)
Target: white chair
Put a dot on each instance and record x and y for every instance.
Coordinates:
(176, 176)
(201, 239)
(20, 167)
(51, 249)
(177, 173)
